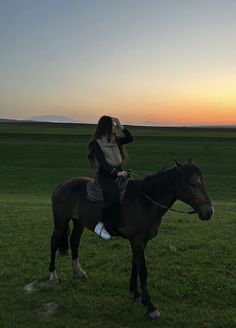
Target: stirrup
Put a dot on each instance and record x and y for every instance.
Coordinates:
(101, 231)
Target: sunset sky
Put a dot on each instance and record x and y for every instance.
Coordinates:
(170, 62)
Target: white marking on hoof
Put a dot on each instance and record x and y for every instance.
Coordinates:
(79, 272)
(154, 314)
(138, 300)
(54, 277)
(36, 285)
(48, 309)
(30, 288)
(83, 274)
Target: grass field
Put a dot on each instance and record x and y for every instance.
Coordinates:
(191, 263)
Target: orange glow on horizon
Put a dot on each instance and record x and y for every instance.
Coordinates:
(164, 115)
(146, 106)
(188, 115)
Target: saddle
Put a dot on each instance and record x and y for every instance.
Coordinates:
(95, 192)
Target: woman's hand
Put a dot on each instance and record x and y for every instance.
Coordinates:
(117, 123)
(122, 174)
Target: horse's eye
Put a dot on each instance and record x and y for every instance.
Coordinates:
(192, 184)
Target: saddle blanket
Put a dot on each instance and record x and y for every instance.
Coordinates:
(95, 192)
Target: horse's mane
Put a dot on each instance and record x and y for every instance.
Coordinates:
(163, 179)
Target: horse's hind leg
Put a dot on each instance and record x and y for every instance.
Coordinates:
(59, 241)
(52, 265)
(77, 231)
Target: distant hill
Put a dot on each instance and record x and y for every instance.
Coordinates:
(7, 120)
(52, 119)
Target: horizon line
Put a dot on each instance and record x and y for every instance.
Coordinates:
(138, 124)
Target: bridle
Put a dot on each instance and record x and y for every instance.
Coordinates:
(198, 204)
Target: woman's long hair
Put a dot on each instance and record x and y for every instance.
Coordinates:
(104, 127)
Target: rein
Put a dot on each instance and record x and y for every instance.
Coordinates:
(166, 207)
(132, 174)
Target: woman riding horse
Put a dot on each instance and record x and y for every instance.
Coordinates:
(143, 206)
(106, 150)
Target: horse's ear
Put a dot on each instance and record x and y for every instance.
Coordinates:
(191, 162)
(179, 164)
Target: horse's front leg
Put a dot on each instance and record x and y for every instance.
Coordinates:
(133, 285)
(140, 263)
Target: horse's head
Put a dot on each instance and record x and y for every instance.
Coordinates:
(193, 191)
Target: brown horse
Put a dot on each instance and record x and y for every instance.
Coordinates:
(143, 206)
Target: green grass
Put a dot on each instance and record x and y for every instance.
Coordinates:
(191, 263)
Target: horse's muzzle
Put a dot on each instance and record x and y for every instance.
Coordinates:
(205, 212)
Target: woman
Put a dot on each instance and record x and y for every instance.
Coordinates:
(106, 149)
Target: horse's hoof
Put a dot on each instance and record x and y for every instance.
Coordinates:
(138, 300)
(81, 275)
(54, 280)
(154, 314)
